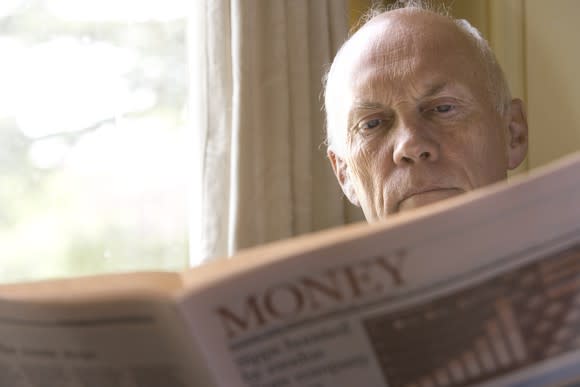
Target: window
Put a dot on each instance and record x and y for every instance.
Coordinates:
(92, 149)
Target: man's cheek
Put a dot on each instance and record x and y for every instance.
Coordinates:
(371, 173)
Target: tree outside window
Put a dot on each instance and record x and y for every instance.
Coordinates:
(92, 150)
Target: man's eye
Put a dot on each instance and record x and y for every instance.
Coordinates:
(443, 108)
(371, 124)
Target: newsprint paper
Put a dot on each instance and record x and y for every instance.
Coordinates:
(479, 291)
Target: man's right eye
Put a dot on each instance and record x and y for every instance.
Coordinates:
(371, 124)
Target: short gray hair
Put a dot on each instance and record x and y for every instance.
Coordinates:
(497, 84)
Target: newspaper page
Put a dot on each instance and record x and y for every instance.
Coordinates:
(481, 291)
(117, 343)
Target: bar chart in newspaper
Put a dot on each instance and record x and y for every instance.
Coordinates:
(505, 323)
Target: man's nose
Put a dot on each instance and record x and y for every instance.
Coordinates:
(414, 146)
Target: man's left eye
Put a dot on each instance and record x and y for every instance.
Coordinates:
(443, 108)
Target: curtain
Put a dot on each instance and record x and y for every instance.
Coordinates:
(260, 168)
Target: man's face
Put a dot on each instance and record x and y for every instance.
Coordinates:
(421, 125)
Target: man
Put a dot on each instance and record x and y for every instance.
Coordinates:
(418, 111)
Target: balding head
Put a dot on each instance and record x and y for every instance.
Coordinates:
(388, 27)
(418, 110)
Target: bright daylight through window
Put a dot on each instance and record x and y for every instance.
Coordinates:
(92, 118)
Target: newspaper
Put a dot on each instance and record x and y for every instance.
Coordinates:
(482, 291)
(104, 344)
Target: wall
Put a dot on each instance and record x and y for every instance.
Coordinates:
(553, 81)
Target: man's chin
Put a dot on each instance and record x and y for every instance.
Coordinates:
(429, 197)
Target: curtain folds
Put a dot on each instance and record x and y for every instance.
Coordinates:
(261, 171)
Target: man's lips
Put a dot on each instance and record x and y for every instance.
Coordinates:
(425, 196)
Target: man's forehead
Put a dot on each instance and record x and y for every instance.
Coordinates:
(401, 33)
(380, 37)
(391, 47)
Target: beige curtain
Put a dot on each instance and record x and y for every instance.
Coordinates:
(261, 170)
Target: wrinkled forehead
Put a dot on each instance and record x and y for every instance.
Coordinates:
(399, 45)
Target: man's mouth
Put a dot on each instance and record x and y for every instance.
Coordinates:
(427, 196)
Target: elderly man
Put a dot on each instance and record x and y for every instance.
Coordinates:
(418, 110)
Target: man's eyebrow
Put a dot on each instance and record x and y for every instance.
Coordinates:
(367, 105)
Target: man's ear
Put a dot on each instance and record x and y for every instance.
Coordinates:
(517, 144)
(341, 172)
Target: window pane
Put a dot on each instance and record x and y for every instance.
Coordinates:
(92, 157)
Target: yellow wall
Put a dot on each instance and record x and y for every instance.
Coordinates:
(357, 9)
(553, 78)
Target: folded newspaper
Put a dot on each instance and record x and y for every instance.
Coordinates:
(483, 289)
